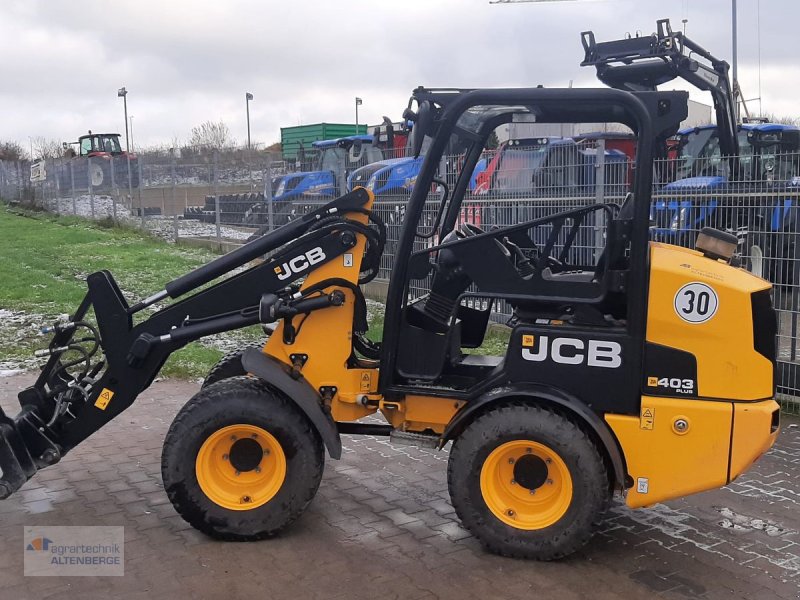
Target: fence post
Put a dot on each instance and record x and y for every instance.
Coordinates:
(130, 181)
(173, 176)
(114, 190)
(216, 197)
(55, 192)
(600, 185)
(342, 175)
(91, 184)
(141, 203)
(72, 186)
(268, 192)
(250, 169)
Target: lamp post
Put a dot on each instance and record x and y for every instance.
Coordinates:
(123, 93)
(131, 120)
(247, 97)
(358, 103)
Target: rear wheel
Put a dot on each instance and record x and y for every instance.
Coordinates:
(527, 482)
(97, 175)
(241, 462)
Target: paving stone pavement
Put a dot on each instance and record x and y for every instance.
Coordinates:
(382, 526)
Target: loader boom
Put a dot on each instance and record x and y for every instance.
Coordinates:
(643, 63)
(63, 408)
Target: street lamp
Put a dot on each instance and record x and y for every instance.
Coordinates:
(358, 103)
(123, 93)
(131, 121)
(247, 97)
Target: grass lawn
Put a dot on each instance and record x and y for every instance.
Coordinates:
(45, 263)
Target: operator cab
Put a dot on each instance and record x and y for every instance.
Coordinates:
(94, 144)
(561, 262)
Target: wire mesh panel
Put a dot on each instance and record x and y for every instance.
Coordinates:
(234, 194)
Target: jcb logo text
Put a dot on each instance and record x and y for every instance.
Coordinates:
(572, 351)
(300, 263)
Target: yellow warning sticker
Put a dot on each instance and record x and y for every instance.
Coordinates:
(652, 381)
(104, 398)
(528, 340)
(366, 381)
(647, 418)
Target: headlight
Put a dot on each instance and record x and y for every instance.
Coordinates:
(679, 221)
(371, 183)
(281, 188)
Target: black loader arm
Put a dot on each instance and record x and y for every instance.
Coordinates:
(119, 355)
(644, 62)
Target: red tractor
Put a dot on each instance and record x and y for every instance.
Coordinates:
(100, 162)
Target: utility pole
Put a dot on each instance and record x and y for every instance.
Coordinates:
(359, 102)
(131, 120)
(247, 97)
(123, 93)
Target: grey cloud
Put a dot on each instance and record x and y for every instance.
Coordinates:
(185, 62)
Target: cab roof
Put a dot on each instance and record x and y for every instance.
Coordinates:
(367, 139)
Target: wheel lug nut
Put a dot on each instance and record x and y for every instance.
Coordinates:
(254, 436)
(511, 461)
(513, 482)
(549, 482)
(533, 492)
(246, 499)
(510, 512)
(233, 438)
(548, 461)
(258, 469)
(266, 452)
(238, 473)
(224, 457)
(528, 450)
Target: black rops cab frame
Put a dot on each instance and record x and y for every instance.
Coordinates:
(416, 355)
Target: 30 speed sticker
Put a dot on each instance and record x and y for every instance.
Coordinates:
(696, 302)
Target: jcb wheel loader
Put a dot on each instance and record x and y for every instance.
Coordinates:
(648, 373)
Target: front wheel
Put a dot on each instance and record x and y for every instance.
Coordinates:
(230, 365)
(527, 482)
(240, 461)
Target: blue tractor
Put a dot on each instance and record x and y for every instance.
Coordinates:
(719, 165)
(335, 159)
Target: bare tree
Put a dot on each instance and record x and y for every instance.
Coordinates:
(211, 135)
(11, 150)
(785, 119)
(44, 148)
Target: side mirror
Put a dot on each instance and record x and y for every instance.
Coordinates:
(355, 151)
(422, 126)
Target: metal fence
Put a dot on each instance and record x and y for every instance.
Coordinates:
(227, 197)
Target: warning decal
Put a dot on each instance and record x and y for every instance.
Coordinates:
(366, 381)
(104, 398)
(647, 418)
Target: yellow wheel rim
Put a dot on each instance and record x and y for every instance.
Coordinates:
(240, 467)
(526, 485)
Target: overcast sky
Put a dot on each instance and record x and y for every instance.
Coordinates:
(185, 62)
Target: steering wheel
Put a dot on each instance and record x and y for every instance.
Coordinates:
(511, 251)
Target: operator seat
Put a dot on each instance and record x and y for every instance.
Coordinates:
(613, 258)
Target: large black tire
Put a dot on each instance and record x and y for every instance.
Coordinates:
(524, 430)
(239, 404)
(230, 365)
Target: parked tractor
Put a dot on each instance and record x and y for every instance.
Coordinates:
(335, 160)
(715, 163)
(99, 163)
